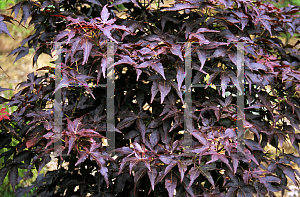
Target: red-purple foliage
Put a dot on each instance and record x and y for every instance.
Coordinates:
(151, 159)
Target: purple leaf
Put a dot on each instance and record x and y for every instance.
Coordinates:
(154, 90)
(103, 67)
(75, 125)
(228, 101)
(16, 9)
(164, 88)
(267, 24)
(171, 183)
(87, 47)
(140, 99)
(126, 122)
(180, 6)
(63, 34)
(200, 150)
(225, 80)
(107, 31)
(142, 128)
(176, 50)
(71, 142)
(3, 27)
(103, 171)
(170, 166)
(124, 150)
(13, 176)
(253, 145)
(157, 66)
(152, 176)
(138, 175)
(219, 52)
(83, 157)
(256, 66)
(167, 159)
(200, 137)
(126, 60)
(180, 75)
(287, 170)
(232, 57)
(202, 40)
(135, 2)
(202, 30)
(154, 138)
(235, 162)
(179, 93)
(89, 133)
(138, 73)
(26, 12)
(194, 173)
(104, 14)
(202, 57)
(182, 167)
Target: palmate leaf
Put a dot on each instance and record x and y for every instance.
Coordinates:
(22, 51)
(3, 114)
(74, 78)
(264, 19)
(157, 66)
(61, 35)
(176, 50)
(3, 27)
(26, 11)
(83, 156)
(196, 171)
(75, 132)
(216, 156)
(74, 126)
(164, 88)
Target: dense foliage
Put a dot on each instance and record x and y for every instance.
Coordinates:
(151, 159)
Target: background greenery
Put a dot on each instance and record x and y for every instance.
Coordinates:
(9, 79)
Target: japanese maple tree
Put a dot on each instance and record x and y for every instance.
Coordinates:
(151, 157)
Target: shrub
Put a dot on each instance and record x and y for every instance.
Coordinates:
(151, 157)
